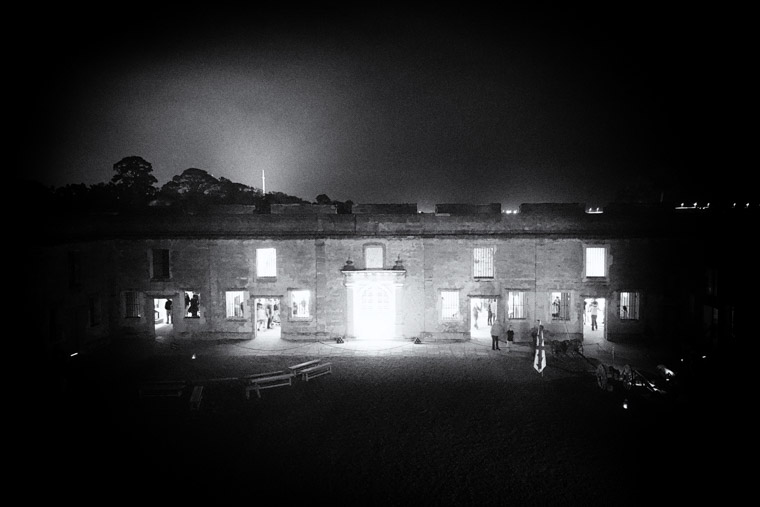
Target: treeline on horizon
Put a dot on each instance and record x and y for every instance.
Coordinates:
(133, 188)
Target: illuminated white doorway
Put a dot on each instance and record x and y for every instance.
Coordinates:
(162, 316)
(593, 332)
(374, 310)
(267, 312)
(480, 320)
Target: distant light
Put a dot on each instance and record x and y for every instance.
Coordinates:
(625, 404)
(193, 356)
(74, 354)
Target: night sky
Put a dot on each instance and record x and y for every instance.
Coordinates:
(508, 106)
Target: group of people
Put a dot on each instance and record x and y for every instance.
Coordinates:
(267, 317)
(497, 329)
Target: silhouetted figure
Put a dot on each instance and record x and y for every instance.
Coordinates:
(168, 308)
(475, 314)
(194, 306)
(496, 330)
(594, 310)
(510, 336)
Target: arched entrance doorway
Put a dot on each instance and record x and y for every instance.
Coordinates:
(372, 303)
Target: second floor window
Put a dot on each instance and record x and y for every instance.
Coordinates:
(516, 305)
(596, 262)
(160, 264)
(482, 259)
(266, 262)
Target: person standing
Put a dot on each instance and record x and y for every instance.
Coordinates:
(496, 330)
(510, 336)
(491, 312)
(168, 308)
(594, 311)
(476, 314)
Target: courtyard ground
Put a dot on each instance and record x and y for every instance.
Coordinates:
(382, 429)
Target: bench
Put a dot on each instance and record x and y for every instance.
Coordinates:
(195, 399)
(297, 369)
(261, 382)
(316, 371)
(173, 388)
(265, 374)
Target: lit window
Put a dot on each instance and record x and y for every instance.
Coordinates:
(299, 303)
(629, 306)
(131, 305)
(266, 262)
(596, 261)
(235, 304)
(373, 257)
(516, 305)
(160, 263)
(450, 305)
(560, 305)
(192, 304)
(483, 262)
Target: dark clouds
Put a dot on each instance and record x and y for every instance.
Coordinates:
(508, 106)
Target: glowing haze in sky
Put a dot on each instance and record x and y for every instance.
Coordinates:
(506, 106)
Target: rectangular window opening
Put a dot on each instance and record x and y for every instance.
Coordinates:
(629, 306)
(300, 304)
(450, 305)
(596, 264)
(560, 305)
(266, 262)
(131, 305)
(235, 304)
(160, 264)
(483, 262)
(192, 304)
(516, 305)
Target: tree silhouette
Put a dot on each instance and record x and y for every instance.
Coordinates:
(133, 182)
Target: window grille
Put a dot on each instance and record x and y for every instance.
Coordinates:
(516, 305)
(300, 303)
(483, 262)
(131, 305)
(560, 305)
(266, 262)
(629, 306)
(449, 305)
(235, 304)
(595, 262)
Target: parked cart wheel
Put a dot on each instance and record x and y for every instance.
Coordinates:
(601, 377)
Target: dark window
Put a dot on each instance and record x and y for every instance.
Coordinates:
(160, 263)
(131, 305)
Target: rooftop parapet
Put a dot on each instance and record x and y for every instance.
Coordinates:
(468, 209)
(379, 209)
(303, 209)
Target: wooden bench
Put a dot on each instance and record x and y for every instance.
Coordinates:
(258, 383)
(316, 371)
(173, 388)
(298, 368)
(195, 399)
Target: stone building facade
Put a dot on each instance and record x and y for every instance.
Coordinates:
(400, 275)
